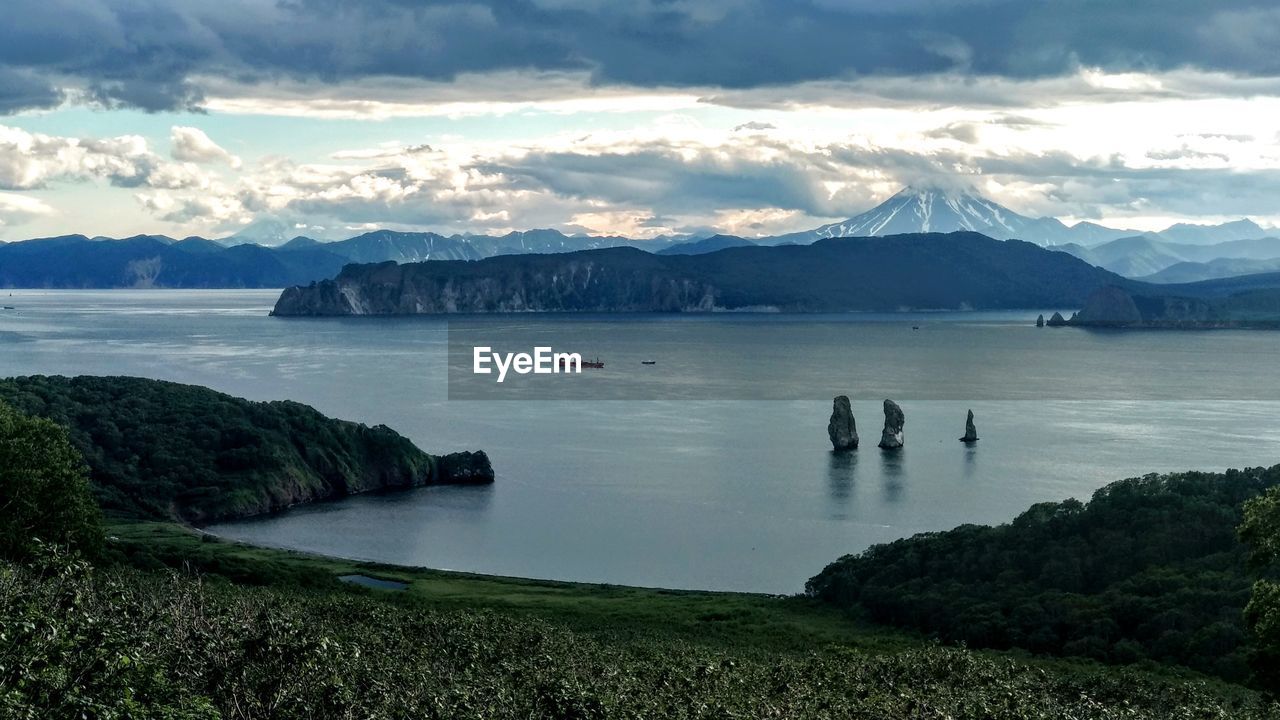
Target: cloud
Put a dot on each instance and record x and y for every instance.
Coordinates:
(676, 173)
(1186, 152)
(23, 89)
(188, 144)
(33, 160)
(18, 209)
(161, 54)
(961, 131)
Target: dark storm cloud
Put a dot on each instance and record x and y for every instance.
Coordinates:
(153, 54)
(22, 90)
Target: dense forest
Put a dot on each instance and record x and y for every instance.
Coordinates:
(1151, 568)
(161, 450)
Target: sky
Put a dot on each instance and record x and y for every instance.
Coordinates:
(639, 118)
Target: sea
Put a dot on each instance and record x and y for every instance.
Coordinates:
(697, 457)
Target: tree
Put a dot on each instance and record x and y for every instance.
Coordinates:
(44, 488)
(1261, 531)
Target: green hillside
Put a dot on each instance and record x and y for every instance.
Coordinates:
(161, 450)
(1149, 569)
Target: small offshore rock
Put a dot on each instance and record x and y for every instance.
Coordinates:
(842, 429)
(1057, 320)
(1040, 321)
(891, 438)
(970, 432)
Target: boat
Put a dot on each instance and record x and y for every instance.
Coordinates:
(648, 362)
(596, 364)
(9, 307)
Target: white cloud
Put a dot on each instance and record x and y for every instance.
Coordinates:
(18, 209)
(33, 160)
(189, 144)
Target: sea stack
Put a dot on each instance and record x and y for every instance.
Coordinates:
(1040, 321)
(842, 430)
(891, 437)
(970, 432)
(1057, 320)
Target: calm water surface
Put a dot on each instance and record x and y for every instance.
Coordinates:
(703, 489)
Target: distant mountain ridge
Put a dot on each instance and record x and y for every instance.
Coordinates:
(145, 261)
(715, 243)
(1148, 255)
(77, 261)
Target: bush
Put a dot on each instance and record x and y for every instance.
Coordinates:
(44, 488)
(1261, 530)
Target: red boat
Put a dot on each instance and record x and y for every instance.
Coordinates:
(597, 364)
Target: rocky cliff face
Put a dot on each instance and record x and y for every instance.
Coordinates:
(464, 468)
(1113, 307)
(460, 468)
(553, 283)
(1109, 306)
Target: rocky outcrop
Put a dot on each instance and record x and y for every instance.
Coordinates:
(1112, 307)
(891, 437)
(1109, 306)
(970, 431)
(842, 429)
(464, 468)
(1040, 321)
(1057, 320)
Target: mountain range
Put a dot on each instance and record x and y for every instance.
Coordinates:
(1152, 258)
(259, 256)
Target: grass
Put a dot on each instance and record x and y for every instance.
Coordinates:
(742, 621)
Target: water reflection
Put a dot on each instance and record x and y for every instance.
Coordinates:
(465, 499)
(893, 469)
(841, 469)
(970, 460)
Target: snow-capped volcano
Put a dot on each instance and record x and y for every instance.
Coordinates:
(917, 210)
(931, 209)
